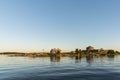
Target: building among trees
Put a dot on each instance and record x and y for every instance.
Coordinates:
(89, 48)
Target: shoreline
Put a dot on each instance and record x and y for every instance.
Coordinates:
(47, 54)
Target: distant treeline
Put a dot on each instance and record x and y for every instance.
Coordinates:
(77, 52)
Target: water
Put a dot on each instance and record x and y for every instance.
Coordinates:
(26, 68)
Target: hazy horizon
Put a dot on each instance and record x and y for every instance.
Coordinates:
(34, 25)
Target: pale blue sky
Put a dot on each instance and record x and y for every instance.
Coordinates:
(31, 25)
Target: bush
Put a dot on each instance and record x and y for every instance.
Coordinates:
(110, 52)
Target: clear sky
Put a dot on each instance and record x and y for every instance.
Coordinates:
(33, 25)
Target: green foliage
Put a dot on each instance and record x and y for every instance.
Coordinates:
(77, 51)
(110, 52)
(117, 52)
(80, 51)
(72, 52)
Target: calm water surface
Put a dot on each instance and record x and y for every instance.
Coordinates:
(25, 68)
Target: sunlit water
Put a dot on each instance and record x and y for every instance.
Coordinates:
(26, 68)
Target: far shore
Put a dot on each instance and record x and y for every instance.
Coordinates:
(56, 52)
(47, 54)
(35, 54)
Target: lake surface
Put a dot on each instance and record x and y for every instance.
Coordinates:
(66, 68)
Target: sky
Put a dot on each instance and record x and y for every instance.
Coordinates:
(34, 25)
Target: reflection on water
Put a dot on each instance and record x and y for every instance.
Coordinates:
(90, 59)
(55, 59)
(56, 68)
(77, 60)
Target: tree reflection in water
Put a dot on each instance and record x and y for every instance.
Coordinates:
(90, 59)
(77, 59)
(55, 58)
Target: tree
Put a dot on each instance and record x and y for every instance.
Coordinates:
(77, 51)
(80, 51)
(72, 53)
(110, 52)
